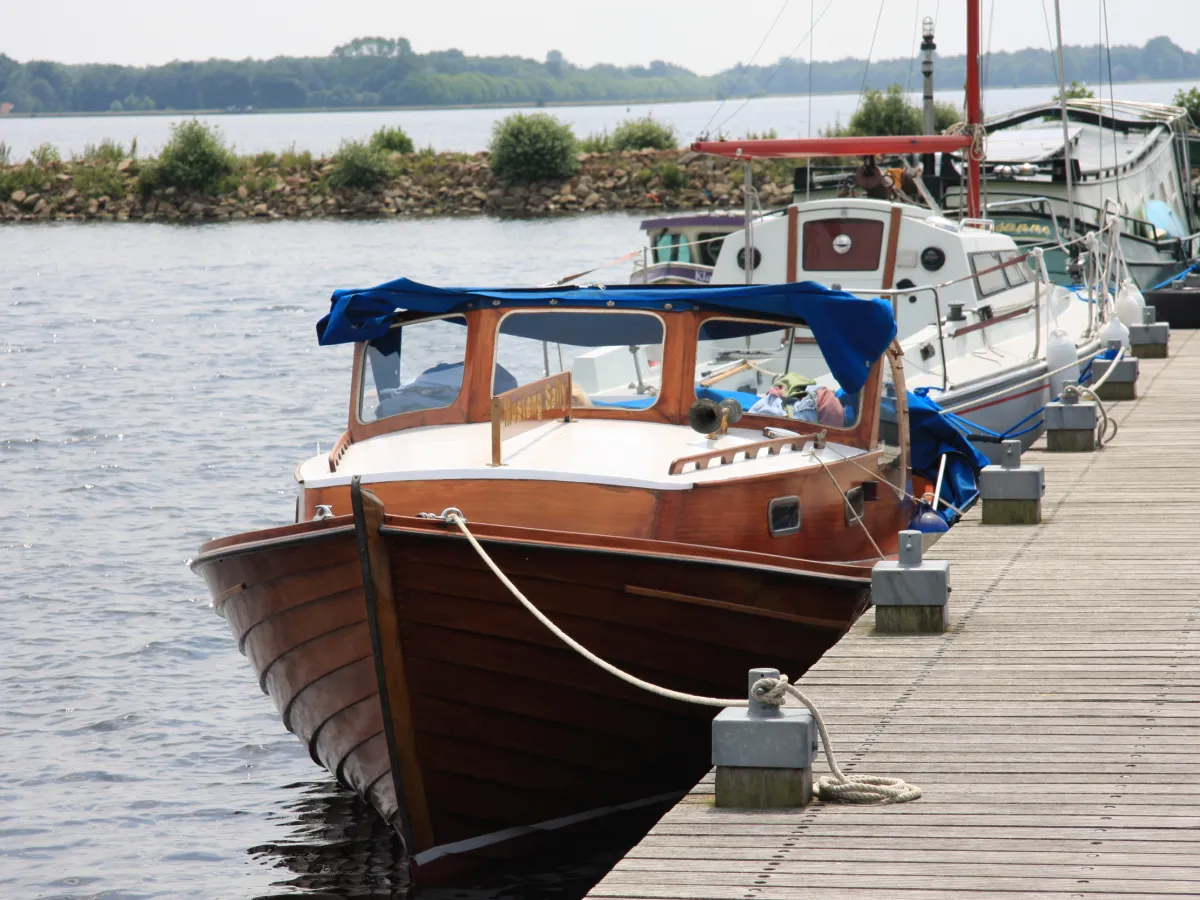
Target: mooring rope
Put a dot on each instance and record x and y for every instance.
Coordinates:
(768, 691)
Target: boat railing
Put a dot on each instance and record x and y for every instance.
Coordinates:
(527, 407)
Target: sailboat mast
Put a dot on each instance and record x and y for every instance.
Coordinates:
(974, 112)
(1062, 99)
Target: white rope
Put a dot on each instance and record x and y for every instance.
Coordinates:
(768, 691)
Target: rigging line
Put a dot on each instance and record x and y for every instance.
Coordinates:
(742, 74)
(913, 56)
(1112, 99)
(779, 65)
(1050, 38)
(870, 54)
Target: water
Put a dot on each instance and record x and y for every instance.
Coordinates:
(157, 386)
(469, 130)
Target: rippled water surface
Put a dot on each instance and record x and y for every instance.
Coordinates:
(158, 385)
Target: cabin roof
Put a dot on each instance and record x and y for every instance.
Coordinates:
(852, 332)
(716, 220)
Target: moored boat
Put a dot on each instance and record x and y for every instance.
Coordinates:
(670, 536)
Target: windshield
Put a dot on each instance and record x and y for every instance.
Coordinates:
(614, 357)
(413, 367)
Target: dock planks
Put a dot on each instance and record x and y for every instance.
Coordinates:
(1054, 728)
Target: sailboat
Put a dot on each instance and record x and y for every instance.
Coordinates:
(1129, 161)
(668, 530)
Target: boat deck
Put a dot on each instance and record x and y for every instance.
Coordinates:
(1055, 728)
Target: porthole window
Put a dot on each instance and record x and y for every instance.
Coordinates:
(783, 516)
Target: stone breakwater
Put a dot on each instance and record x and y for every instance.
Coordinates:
(424, 185)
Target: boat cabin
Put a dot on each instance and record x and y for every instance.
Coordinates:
(594, 396)
(683, 249)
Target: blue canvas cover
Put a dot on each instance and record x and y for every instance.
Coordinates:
(932, 435)
(852, 332)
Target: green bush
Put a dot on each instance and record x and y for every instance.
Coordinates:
(195, 157)
(359, 165)
(945, 115)
(1189, 100)
(97, 180)
(26, 177)
(671, 175)
(596, 142)
(391, 140)
(264, 160)
(769, 135)
(107, 151)
(645, 133)
(1076, 91)
(291, 161)
(5, 153)
(532, 148)
(45, 155)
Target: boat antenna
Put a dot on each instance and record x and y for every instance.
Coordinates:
(1062, 102)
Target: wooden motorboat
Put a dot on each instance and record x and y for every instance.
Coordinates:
(414, 676)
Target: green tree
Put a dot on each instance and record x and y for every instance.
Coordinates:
(1189, 100)
(645, 133)
(1076, 91)
(194, 157)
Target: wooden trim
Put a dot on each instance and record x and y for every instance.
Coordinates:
(528, 406)
(383, 619)
(793, 233)
(730, 454)
(733, 607)
(889, 261)
(1003, 317)
(339, 450)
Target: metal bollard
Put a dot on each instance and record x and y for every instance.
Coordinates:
(1071, 422)
(1150, 339)
(763, 754)
(1121, 383)
(911, 594)
(1012, 493)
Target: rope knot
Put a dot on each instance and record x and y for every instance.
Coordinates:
(770, 691)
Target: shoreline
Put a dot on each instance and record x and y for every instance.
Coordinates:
(447, 184)
(106, 113)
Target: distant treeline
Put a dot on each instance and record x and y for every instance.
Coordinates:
(375, 71)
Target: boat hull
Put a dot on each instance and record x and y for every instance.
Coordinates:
(503, 731)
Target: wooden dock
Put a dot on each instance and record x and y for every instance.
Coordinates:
(1055, 729)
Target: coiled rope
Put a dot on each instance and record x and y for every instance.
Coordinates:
(768, 691)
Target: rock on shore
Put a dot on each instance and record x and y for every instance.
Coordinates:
(438, 185)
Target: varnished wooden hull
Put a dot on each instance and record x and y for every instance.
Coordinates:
(504, 727)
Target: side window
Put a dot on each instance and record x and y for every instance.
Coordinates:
(992, 282)
(709, 247)
(415, 366)
(1016, 274)
(772, 370)
(614, 358)
(843, 245)
(684, 253)
(664, 246)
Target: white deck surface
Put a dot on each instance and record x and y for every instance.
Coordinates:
(599, 451)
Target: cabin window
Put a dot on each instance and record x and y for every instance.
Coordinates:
(992, 282)
(1016, 274)
(672, 248)
(614, 357)
(783, 516)
(415, 366)
(842, 245)
(709, 246)
(750, 362)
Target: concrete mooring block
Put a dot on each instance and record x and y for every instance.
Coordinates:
(1071, 423)
(763, 753)
(1122, 383)
(1150, 341)
(1012, 493)
(911, 594)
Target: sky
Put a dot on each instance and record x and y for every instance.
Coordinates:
(706, 36)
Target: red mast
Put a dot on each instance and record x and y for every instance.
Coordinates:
(974, 115)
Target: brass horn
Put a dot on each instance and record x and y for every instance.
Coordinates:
(712, 418)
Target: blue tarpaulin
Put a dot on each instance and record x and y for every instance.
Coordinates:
(932, 436)
(852, 332)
